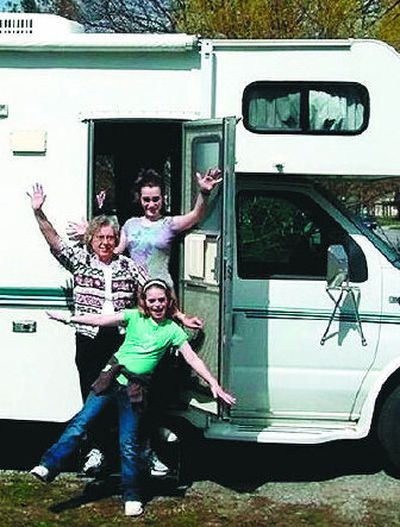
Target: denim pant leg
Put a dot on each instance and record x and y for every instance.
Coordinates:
(55, 456)
(130, 446)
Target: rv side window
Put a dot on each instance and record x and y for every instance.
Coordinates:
(286, 234)
(306, 108)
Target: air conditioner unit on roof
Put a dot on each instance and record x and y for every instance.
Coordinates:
(37, 25)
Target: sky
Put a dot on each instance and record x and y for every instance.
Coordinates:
(3, 3)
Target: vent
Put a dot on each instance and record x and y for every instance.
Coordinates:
(41, 25)
(16, 25)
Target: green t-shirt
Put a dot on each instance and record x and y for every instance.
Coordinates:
(146, 342)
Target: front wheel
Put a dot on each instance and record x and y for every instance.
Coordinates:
(388, 428)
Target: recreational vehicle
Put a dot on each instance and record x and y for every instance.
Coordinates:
(300, 299)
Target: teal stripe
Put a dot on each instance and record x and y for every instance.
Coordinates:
(314, 314)
(32, 297)
(33, 292)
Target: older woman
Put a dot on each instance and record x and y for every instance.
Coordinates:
(104, 283)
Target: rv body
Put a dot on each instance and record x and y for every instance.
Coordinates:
(73, 103)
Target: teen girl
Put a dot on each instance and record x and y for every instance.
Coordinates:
(126, 379)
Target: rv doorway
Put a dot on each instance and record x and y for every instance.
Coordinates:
(119, 151)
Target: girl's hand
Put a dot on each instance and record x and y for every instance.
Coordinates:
(60, 317)
(192, 322)
(37, 196)
(219, 392)
(208, 180)
(76, 231)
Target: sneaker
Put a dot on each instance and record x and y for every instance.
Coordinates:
(41, 472)
(94, 461)
(157, 467)
(133, 508)
(167, 435)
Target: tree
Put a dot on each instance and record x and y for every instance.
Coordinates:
(119, 16)
(277, 19)
(388, 25)
(232, 18)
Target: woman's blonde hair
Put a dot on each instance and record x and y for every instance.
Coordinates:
(96, 224)
(159, 284)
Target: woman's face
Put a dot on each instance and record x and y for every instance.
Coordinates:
(156, 303)
(104, 243)
(151, 201)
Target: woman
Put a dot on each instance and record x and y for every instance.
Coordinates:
(104, 282)
(148, 238)
(149, 333)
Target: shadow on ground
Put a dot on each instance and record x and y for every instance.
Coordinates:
(245, 467)
(240, 466)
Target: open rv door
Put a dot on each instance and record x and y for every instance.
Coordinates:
(206, 276)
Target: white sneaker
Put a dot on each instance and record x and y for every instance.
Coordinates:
(94, 460)
(158, 468)
(133, 508)
(168, 435)
(41, 472)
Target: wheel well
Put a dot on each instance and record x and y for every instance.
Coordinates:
(391, 384)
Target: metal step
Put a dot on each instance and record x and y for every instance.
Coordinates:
(293, 434)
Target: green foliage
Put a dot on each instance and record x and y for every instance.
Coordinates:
(232, 18)
(290, 19)
(388, 24)
(271, 18)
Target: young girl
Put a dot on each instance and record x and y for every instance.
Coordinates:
(149, 333)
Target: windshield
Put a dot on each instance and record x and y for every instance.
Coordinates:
(373, 206)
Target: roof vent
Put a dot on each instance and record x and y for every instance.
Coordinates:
(39, 25)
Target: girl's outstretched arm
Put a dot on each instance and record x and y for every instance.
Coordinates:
(201, 369)
(91, 319)
(206, 182)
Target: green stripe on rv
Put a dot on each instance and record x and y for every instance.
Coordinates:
(313, 314)
(31, 296)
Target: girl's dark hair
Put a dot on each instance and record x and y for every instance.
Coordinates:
(160, 284)
(149, 178)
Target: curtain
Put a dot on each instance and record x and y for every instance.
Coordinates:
(335, 111)
(274, 110)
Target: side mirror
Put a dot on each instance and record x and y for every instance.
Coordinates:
(338, 266)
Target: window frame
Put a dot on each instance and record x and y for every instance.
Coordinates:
(304, 88)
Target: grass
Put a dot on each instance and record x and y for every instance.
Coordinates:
(25, 502)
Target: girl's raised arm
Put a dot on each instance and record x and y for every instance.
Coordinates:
(206, 183)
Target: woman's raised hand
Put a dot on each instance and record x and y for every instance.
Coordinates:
(209, 179)
(37, 196)
(76, 231)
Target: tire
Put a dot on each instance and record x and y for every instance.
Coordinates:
(388, 428)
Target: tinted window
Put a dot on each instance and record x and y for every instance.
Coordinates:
(286, 234)
(316, 108)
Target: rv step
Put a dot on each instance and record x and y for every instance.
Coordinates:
(281, 434)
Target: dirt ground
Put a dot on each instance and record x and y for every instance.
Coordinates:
(341, 484)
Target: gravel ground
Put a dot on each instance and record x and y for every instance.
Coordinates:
(337, 485)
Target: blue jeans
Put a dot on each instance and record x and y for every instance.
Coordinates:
(129, 438)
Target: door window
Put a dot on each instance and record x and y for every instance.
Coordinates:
(286, 234)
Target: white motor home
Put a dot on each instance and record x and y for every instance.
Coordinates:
(301, 301)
